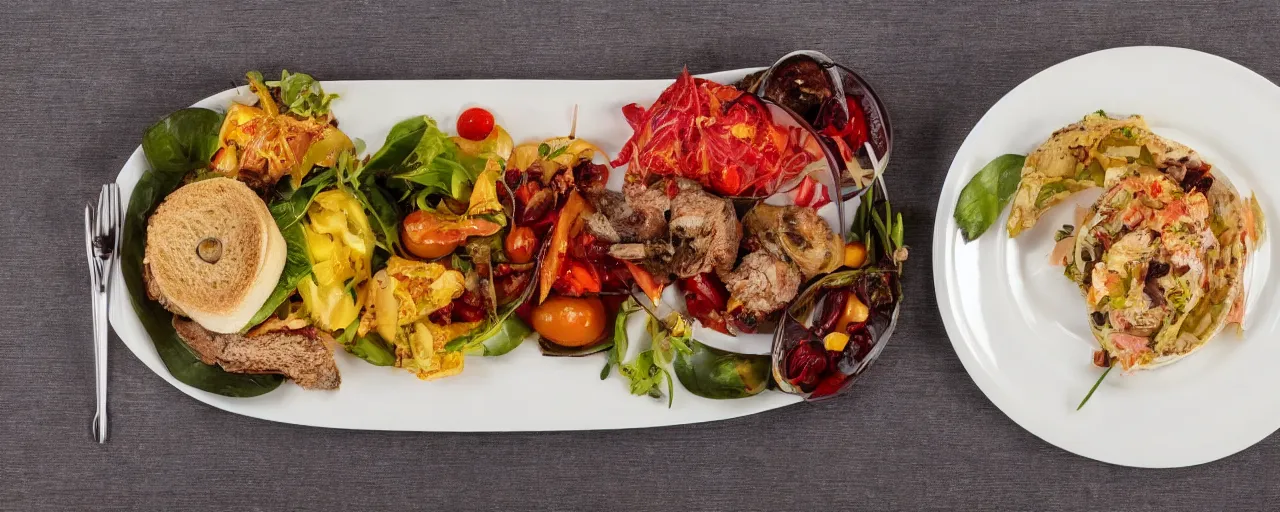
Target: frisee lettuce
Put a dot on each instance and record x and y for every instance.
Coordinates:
(302, 95)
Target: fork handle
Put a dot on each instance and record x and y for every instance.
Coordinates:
(100, 329)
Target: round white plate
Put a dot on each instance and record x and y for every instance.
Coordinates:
(1020, 327)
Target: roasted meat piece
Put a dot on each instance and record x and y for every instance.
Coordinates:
(637, 214)
(763, 283)
(704, 230)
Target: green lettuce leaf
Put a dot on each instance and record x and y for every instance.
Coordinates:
(372, 348)
(419, 160)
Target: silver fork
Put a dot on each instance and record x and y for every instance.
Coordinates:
(102, 245)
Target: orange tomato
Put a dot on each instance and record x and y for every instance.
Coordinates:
(570, 321)
(520, 244)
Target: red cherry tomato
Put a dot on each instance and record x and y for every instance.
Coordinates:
(475, 124)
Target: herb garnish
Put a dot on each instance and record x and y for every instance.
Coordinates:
(1094, 388)
(557, 152)
(986, 195)
(620, 342)
(1064, 233)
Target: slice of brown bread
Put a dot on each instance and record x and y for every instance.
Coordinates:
(244, 254)
(305, 358)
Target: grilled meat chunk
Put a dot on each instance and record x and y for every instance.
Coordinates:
(763, 283)
(704, 230)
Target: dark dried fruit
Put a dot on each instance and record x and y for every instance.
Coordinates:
(514, 178)
(805, 365)
(1157, 270)
(463, 312)
(832, 308)
(860, 344)
(539, 205)
(1099, 318)
(509, 286)
(442, 316)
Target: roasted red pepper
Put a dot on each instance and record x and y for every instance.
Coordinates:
(811, 194)
(648, 284)
(715, 134)
(852, 130)
(577, 278)
(706, 298)
(551, 265)
(829, 385)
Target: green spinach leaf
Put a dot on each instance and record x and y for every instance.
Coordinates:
(418, 160)
(402, 141)
(986, 195)
(182, 142)
(297, 264)
(372, 348)
(504, 336)
(713, 373)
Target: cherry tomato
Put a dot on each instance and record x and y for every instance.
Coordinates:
(570, 321)
(475, 124)
(520, 244)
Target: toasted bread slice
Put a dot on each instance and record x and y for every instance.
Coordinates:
(214, 253)
(306, 356)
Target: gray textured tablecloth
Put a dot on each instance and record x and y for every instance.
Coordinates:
(79, 81)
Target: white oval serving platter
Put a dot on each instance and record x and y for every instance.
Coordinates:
(521, 391)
